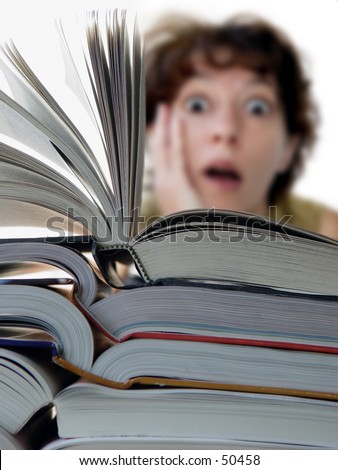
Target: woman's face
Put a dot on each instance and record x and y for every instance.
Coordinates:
(234, 134)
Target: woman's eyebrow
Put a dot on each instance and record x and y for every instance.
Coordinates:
(256, 80)
(265, 81)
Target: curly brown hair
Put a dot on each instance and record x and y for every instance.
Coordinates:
(173, 45)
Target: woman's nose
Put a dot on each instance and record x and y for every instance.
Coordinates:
(225, 126)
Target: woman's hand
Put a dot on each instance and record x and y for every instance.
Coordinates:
(173, 189)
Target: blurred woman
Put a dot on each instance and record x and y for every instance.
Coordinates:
(230, 120)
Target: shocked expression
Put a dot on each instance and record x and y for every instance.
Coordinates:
(235, 137)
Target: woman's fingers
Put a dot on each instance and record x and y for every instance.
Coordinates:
(173, 189)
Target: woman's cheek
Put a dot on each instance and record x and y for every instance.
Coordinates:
(192, 136)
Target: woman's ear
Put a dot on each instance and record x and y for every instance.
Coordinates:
(291, 147)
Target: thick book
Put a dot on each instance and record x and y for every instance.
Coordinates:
(48, 264)
(182, 347)
(28, 388)
(195, 414)
(224, 419)
(93, 175)
(37, 317)
(192, 247)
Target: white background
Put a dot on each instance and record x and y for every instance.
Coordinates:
(311, 23)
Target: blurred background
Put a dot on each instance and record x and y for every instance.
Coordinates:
(311, 25)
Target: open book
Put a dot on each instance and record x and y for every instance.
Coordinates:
(28, 388)
(176, 344)
(191, 247)
(96, 178)
(46, 150)
(152, 416)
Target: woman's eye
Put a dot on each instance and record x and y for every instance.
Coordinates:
(258, 107)
(196, 104)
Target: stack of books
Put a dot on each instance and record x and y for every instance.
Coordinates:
(228, 340)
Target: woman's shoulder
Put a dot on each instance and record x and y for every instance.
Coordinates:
(309, 215)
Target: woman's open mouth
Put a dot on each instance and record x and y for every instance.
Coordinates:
(223, 175)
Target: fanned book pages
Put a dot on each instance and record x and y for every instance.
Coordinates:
(46, 150)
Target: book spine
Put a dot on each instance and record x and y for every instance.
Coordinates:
(36, 344)
(106, 258)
